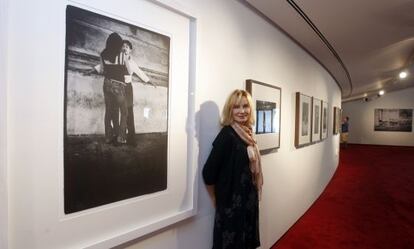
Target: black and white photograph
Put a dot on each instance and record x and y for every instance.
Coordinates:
(393, 120)
(337, 120)
(267, 104)
(116, 110)
(303, 120)
(316, 119)
(324, 121)
(265, 116)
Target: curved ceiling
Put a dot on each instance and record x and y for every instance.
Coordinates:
(362, 44)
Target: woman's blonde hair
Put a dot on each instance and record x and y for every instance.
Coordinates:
(234, 99)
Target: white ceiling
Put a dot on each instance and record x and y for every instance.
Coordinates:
(363, 44)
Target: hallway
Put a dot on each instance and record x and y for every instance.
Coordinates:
(368, 204)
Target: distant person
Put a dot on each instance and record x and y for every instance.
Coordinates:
(344, 132)
(233, 171)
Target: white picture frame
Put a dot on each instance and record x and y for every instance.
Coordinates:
(42, 179)
(4, 182)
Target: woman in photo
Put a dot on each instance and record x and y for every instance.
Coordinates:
(233, 171)
(112, 90)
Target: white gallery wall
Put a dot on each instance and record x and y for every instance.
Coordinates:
(361, 116)
(233, 44)
(3, 125)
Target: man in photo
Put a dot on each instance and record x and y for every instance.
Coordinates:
(132, 68)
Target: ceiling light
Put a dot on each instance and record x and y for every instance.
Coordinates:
(381, 92)
(403, 75)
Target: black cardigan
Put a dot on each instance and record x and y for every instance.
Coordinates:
(236, 224)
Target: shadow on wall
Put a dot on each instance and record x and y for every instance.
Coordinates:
(207, 127)
(195, 232)
(199, 232)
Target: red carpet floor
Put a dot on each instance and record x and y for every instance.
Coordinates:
(369, 203)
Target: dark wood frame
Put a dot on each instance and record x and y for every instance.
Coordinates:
(249, 88)
(298, 120)
(337, 120)
(327, 118)
(313, 140)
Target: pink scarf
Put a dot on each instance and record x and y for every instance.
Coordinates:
(246, 134)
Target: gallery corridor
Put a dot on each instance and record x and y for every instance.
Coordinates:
(368, 204)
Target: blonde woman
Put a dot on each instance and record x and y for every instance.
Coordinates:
(233, 169)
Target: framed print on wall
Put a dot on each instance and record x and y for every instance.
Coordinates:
(316, 119)
(393, 120)
(121, 176)
(337, 120)
(303, 120)
(113, 125)
(324, 121)
(267, 105)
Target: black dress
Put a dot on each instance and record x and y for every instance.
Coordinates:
(236, 224)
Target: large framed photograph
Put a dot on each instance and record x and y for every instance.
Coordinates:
(316, 119)
(116, 110)
(267, 106)
(393, 120)
(337, 120)
(324, 121)
(122, 79)
(303, 120)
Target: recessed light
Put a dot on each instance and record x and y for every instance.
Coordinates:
(403, 75)
(381, 92)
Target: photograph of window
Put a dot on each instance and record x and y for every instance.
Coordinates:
(265, 117)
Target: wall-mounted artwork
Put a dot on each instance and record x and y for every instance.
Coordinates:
(316, 119)
(337, 120)
(303, 120)
(267, 106)
(105, 185)
(116, 110)
(324, 121)
(393, 120)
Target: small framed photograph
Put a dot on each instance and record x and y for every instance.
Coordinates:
(324, 121)
(303, 120)
(316, 119)
(337, 120)
(267, 106)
